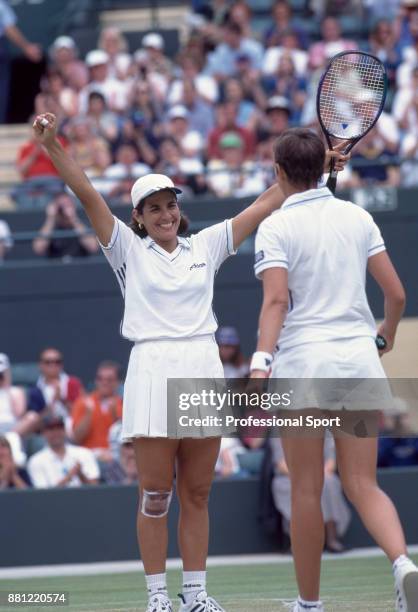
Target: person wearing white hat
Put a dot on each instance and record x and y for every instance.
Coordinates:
(114, 91)
(153, 45)
(167, 284)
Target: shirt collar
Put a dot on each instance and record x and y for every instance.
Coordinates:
(181, 241)
(305, 197)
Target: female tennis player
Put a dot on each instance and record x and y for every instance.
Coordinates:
(312, 258)
(167, 283)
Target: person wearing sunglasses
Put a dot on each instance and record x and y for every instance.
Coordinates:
(59, 389)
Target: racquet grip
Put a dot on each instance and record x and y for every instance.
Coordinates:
(332, 182)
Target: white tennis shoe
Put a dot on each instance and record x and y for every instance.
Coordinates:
(406, 586)
(201, 603)
(300, 607)
(159, 603)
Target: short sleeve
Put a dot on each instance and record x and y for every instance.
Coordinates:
(120, 243)
(218, 241)
(375, 241)
(7, 16)
(37, 473)
(270, 248)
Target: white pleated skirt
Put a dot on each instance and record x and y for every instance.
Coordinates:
(151, 364)
(338, 374)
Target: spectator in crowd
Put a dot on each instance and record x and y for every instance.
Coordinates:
(135, 132)
(409, 164)
(283, 23)
(367, 160)
(240, 13)
(6, 240)
(287, 84)
(332, 43)
(409, 53)
(40, 180)
(231, 175)
(63, 55)
(191, 69)
(200, 114)
(144, 106)
(277, 116)
(153, 45)
(123, 470)
(94, 414)
(115, 92)
(56, 97)
(14, 416)
(234, 363)
(61, 215)
(105, 124)
(227, 122)
(221, 63)
(10, 32)
(59, 389)
(247, 112)
(113, 43)
(249, 79)
(144, 72)
(409, 119)
(61, 464)
(228, 464)
(289, 48)
(403, 98)
(337, 8)
(11, 476)
(120, 177)
(85, 147)
(184, 171)
(178, 125)
(335, 510)
(382, 44)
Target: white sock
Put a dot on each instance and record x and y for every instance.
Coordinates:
(401, 560)
(193, 583)
(309, 604)
(156, 583)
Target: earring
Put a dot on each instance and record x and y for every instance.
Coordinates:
(140, 226)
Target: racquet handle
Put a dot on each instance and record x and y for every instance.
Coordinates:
(380, 342)
(332, 182)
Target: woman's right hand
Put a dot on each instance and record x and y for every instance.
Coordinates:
(45, 134)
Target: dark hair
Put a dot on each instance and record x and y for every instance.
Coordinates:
(107, 364)
(301, 154)
(96, 95)
(142, 233)
(4, 442)
(49, 348)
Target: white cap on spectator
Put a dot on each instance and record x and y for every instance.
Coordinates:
(4, 362)
(63, 42)
(153, 40)
(193, 141)
(146, 185)
(141, 56)
(178, 111)
(278, 102)
(96, 58)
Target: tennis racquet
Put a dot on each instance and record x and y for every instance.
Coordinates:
(350, 98)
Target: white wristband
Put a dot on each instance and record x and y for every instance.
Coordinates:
(261, 361)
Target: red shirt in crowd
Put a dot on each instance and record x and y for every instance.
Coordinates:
(42, 165)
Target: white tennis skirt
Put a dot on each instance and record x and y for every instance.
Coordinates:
(355, 362)
(150, 365)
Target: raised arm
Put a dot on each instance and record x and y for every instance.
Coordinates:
(96, 208)
(382, 270)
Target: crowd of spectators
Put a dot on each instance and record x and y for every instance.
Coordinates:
(208, 116)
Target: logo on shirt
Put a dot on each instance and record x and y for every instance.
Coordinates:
(200, 265)
(259, 256)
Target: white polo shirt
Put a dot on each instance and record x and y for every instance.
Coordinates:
(46, 468)
(324, 243)
(168, 295)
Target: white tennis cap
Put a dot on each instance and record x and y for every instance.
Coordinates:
(146, 185)
(153, 40)
(96, 58)
(63, 42)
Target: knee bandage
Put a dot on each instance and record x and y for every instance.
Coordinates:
(155, 504)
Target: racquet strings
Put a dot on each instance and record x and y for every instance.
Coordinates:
(351, 95)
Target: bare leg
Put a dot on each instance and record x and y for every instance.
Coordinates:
(195, 466)
(155, 459)
(357, 460)
(305, 460)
